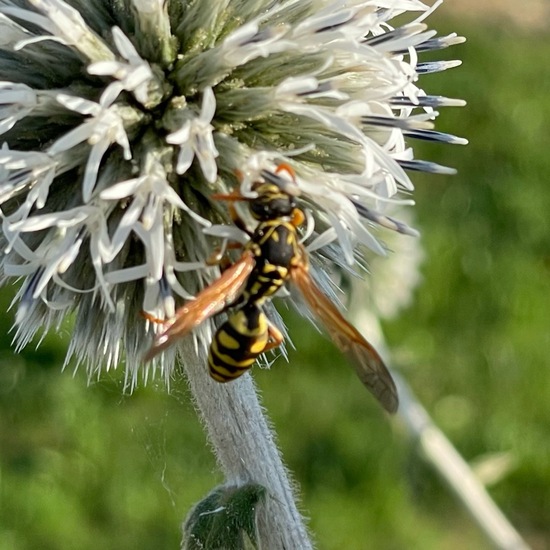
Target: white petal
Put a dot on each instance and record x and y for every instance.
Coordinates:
(127, 274)
(185, 159)
(78, 104)
(125, 46)
(208, 108)
(68, 218)
(92, 169)
(70, 139)
(181, 136)
(104, 68)
(122, 189)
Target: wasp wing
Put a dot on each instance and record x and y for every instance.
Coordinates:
(365, 359)
(210, 301)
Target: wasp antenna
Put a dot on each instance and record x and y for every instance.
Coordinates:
(285, 184)
(233, 196)
(291, 187)
(286, 168)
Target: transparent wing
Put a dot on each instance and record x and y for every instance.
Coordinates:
(365, 359)
(210, 301)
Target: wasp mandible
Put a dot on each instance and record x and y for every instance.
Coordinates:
(273, 256)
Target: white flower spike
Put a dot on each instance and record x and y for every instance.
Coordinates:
(121, 124)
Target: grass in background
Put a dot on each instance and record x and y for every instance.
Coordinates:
(88, 467)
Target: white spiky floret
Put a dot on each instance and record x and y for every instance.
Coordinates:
(104, 127)
(64, 24)
(195, 139)
(133, 75)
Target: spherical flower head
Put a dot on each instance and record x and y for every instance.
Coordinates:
(120, 122)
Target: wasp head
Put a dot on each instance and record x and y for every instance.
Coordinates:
(273, 200)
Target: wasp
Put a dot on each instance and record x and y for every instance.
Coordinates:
(272, 257)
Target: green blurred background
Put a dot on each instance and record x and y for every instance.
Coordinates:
(88, 467)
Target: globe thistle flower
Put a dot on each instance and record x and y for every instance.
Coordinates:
(120, 120)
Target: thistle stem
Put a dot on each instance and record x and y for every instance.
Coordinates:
(245, 448)
(442, 456)
(434, 446)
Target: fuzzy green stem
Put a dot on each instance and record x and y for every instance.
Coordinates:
(246, 451)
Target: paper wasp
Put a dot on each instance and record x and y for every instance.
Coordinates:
(272, 256)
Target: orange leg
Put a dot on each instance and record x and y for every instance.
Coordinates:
(232, 198)
(276, 338)
(152, 318)
(218, 255)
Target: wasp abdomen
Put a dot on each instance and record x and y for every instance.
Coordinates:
(238, 343)
(265, 281)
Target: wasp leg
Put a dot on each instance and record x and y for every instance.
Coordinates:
(232, 198)
(237, 220)
(275, 336)
(151, 318)
(218, 256)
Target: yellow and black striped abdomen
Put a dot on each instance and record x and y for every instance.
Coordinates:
(265, 281)
(238, 342)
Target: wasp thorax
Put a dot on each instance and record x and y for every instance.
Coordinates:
(271, 202)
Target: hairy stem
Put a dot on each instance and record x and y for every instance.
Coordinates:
(246, 451)
(442, 456)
